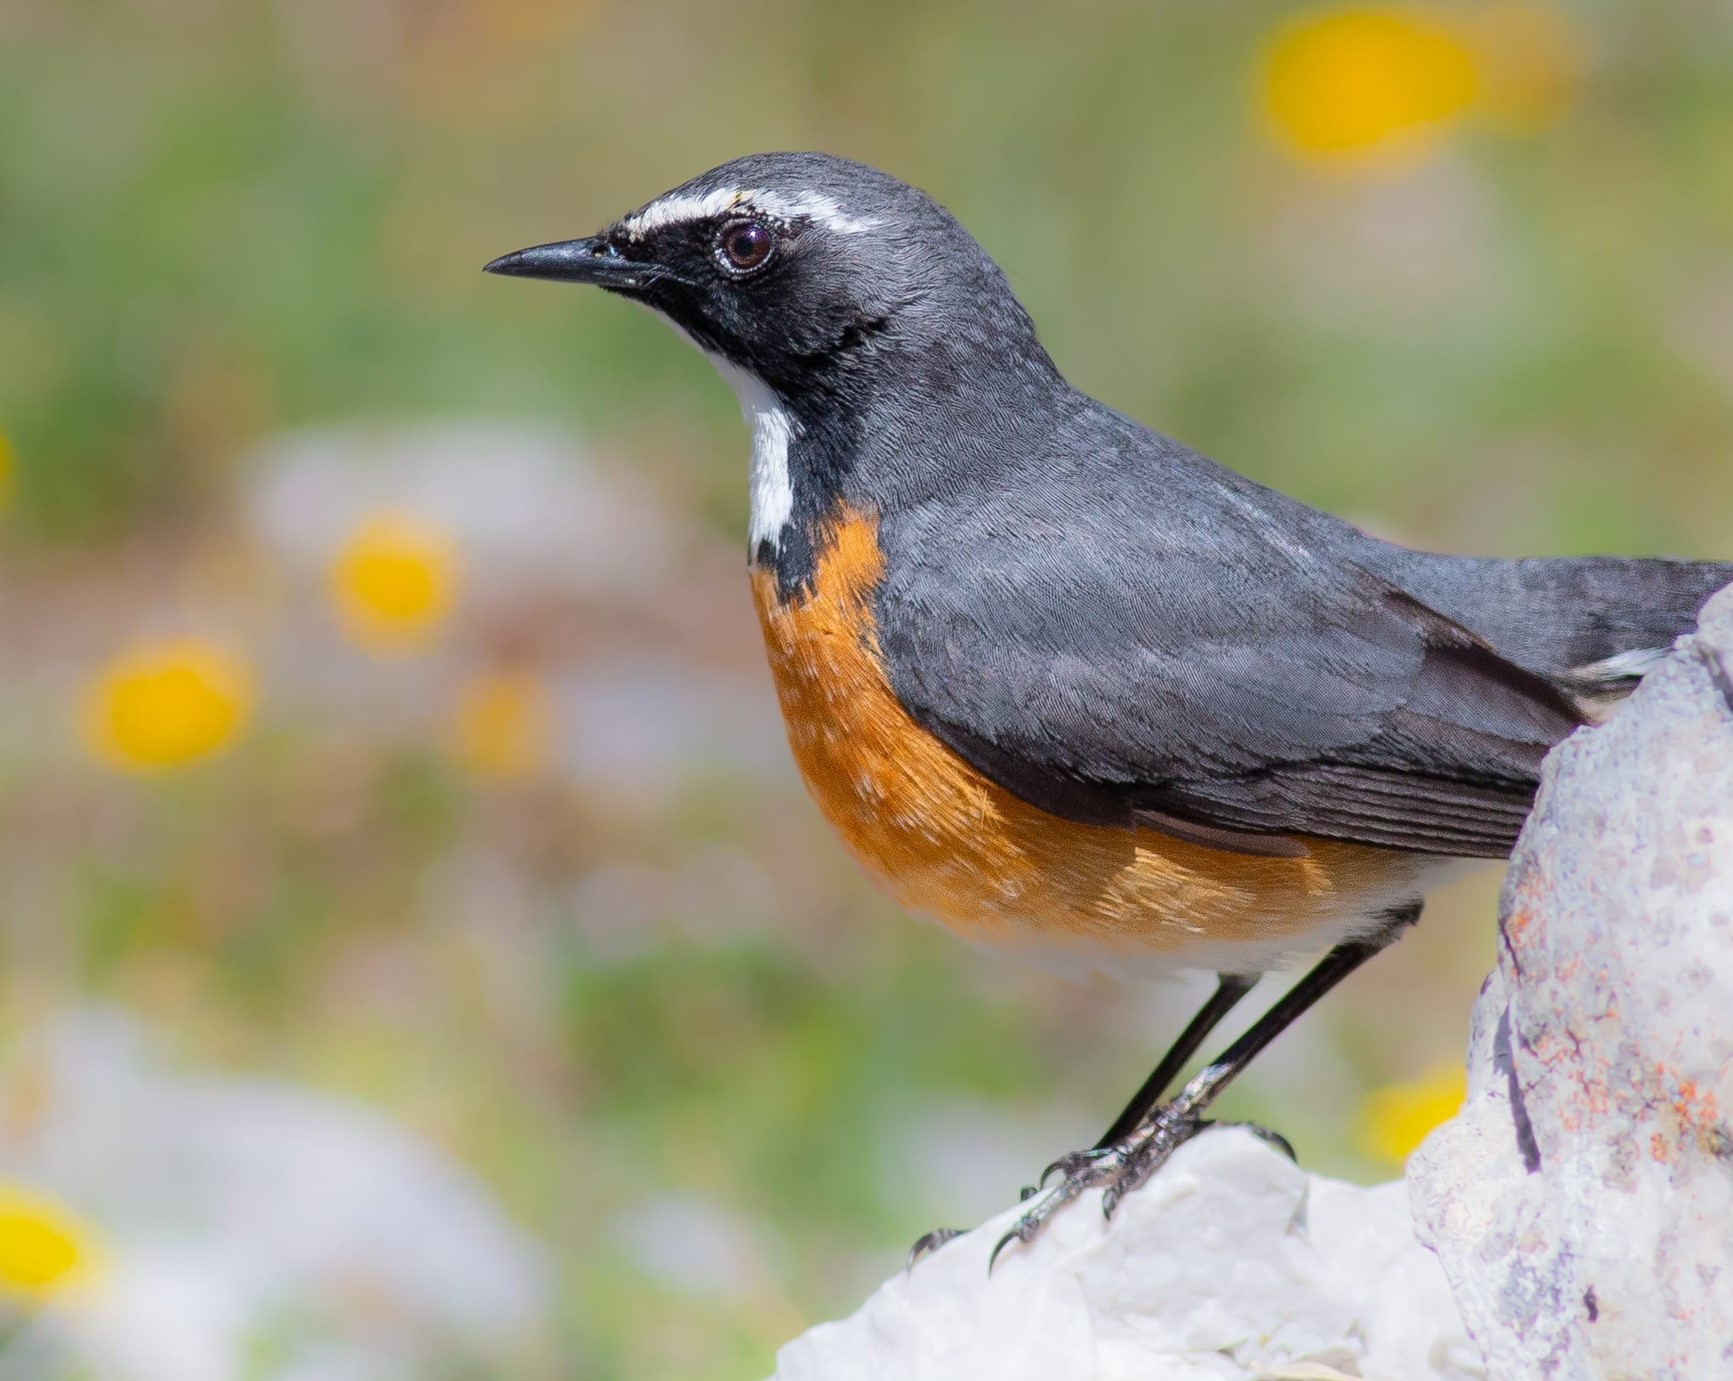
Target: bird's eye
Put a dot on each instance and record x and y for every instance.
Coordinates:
(745, 245)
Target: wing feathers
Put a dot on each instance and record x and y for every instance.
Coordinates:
(1206, 672)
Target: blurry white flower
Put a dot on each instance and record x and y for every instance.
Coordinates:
(231, 1213)
(525, 507)
(1392, 255)
(638, 725)
(691, 1244)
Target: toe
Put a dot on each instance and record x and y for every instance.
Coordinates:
(928, 1243)
(1021, 1231)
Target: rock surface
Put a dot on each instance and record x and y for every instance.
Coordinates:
(1582, 1203)
(1231, 1263)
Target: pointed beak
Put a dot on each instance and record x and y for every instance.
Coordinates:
(592, 260)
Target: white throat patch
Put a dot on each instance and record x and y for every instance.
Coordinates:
(773, 431)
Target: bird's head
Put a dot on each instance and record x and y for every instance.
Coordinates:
(795, 268)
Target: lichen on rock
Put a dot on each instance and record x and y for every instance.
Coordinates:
(1582, 1202)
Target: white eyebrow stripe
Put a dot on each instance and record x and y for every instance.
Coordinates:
(677, 208)
(813, 206)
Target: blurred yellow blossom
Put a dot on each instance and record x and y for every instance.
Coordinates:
(167, 703)
(1531, 57)
(5, 471)
(501, 728)
(394, 581)
(1366, 85)
(1395, 1119)
(44, 1250)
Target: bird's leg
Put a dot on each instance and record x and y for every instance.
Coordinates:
(1123, 1166)
(1230, 988)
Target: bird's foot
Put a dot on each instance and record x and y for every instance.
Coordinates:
(1268, 1135)
(1117, 1170)
(929, 1242)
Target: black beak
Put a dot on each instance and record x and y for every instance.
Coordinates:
(593, 260)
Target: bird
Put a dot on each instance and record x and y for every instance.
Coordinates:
(1070, 687)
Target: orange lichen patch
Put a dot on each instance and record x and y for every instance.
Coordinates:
(1694, 1107)
(1695, 1116)
(1525, 914)
(1595, 1093)
(1560, 1054)
(946, 841)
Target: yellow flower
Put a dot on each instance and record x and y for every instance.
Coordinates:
(6, 466)
(1357, 87)
(1531, 57)
(44, 1250)
(394, 581)
(164, 704)
(1396, 1119)
(501, 728)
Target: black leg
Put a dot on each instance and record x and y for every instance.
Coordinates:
(1230, 988)
(1126, 1164)
(1206, 1085)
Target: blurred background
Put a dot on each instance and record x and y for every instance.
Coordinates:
(417, 955)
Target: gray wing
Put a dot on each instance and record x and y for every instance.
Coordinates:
(1158, 640)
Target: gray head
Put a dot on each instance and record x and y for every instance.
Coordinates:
(877, 351)
(794, 267)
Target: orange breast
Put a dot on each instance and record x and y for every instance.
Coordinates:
(946, 841)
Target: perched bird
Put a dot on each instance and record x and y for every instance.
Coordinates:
(1069, 687)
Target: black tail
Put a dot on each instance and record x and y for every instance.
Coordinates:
(1591, 624)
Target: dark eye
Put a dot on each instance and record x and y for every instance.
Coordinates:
(745, 245)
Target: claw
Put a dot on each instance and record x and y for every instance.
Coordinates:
(1264, 1134)
(928, 1243)
(1021, 1231)
(1026, 1228)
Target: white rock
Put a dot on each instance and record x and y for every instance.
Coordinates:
(1231, 1263)
(1583, 1201)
